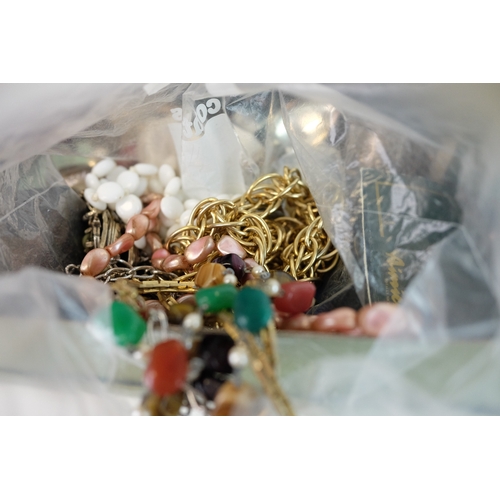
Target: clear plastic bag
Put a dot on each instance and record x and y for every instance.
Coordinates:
(405, 178)
(51, 362)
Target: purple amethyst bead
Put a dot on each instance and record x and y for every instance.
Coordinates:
(235, 262)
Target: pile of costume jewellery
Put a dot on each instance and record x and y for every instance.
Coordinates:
(200, 302)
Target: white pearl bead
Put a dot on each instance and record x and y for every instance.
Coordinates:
(230, 279)
(141, 188)
(104, 167)
(184, 217)
(173, 186)
(155, 186)
(114, 174)
(167, 221)
(171, 207)
(166, 173)
(190, 203)
(257, 271)
(145, 169)
(237, 357)
(272, 287)
(89, 194)
(92, 181)
(128, 180)
(128, 206)
(192, 322)
(181, 195)
(110, 192)
(141, 243)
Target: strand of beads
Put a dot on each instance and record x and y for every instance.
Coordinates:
(141, 228)
(125, 190)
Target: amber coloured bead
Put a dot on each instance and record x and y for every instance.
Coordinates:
(209, 274)
(178, 312)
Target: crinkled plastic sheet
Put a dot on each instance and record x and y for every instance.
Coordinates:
(40, 217)
(405, 177)
(51, 361)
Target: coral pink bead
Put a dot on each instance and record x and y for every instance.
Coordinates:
(122, 244)
(298, 322)
(153, 209)
(199, 250)
(154, 241)
(297, 297)
(167, 368)
(174, 263)
(137, 226)
(373, 318)
(227, 245)
(95, 262)
(158, 257)
(339, 320)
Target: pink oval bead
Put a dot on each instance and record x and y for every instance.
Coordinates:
(174, 263)
(137, 226)
(298, 322)
(227, 245)
(199, 250)
(373, 318)
(153, 209)
(158, 257)
(154, 241)
(122, 244)
(95, 262)
(339, 320)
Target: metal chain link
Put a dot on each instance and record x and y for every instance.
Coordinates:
(276, 221)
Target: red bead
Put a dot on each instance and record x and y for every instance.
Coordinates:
(297, 297)
(167, 369)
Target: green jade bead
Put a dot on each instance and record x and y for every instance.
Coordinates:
(216, 298)
(128, 326)
(252, 310)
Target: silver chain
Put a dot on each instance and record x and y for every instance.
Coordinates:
(122, 270)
